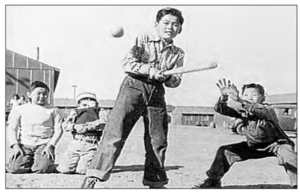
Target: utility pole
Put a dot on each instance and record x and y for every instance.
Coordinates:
(74, 87)
(38, 53)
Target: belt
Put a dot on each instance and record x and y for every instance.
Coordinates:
(145, 79)
(83, 136)
(92, 141)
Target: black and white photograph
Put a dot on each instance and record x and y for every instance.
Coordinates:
(151, 96)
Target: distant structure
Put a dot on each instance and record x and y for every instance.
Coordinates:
(192, 115)
(284, 104)
(21, 71)
(202, 116)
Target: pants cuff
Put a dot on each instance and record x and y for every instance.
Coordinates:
(103, 176)
(155, 184)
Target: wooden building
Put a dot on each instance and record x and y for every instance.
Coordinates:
(21, 71)
(192, 115)
(285, 106)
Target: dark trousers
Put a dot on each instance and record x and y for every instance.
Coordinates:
(229, 154)
(136, 98)
(32, 162)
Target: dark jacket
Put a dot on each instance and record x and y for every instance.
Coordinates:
(261, 123)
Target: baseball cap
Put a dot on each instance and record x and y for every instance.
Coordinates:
(84, 95)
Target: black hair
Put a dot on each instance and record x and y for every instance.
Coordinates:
(37, 84)
(16, 95)
(256, 86)
(168, 10)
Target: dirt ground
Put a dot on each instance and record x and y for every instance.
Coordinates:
(190, 153)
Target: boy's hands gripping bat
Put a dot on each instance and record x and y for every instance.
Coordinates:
(181, 70)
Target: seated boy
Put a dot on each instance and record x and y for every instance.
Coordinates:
(33, 131)
(86, 127)
(265, 138)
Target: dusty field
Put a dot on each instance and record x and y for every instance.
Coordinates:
(190, 153)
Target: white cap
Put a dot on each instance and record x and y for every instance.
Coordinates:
(86, 95)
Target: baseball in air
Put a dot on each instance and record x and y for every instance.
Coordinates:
(117, 31)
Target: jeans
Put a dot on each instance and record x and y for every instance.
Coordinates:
(136, 98)
(229, 154)
(77, 157)
(32, 162)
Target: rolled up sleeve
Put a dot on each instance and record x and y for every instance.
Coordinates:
(175, 80)
(132, 63)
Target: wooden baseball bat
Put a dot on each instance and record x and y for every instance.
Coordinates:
(183, 69)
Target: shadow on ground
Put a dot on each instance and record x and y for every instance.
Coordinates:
(136, 168)
(258, 186)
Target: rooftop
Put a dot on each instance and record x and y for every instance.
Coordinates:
(288, 98)
(194, 110)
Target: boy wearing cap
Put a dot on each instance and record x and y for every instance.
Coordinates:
(86, 128)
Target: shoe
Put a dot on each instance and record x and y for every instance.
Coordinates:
(89, 182)
(157, 187)
(209, 183)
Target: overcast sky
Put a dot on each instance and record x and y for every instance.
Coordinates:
(250, 43)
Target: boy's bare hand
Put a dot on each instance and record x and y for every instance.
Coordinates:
(157, 74)
(224, 87)
(68, 126)
(80, 128)
(95, 125)
(49, 151)
(17, 151)
(228, 89)
(234, 93)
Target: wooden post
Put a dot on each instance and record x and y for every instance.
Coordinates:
(37, 53)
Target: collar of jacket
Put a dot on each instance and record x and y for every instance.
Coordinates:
(156, 38)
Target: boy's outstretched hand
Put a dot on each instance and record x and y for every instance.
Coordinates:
(228, 89)
(234, 93)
